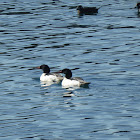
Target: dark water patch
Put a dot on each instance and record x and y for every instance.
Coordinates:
(135, 54)
(10, 8)
(32, 46)
(89, 36)
(57, 34)
(78, 26)
(8, 80)
(11, 93)
(27, 38)
(89, 62)
(97, 63)
(130, 44)
(16, 13)
(123, 71)
(54, 2)
(87, 118)
(27, 58)
(1, 11)
(3, 52)
(13, 66)
(22, 67)
(104, 49)
(121, 84)
(31, 137)
(75, 26)
(117, 60)
(25, 30)
(68, 95)
(129, 116)
(1, 43)
(33, 68)
(40, 26)
(3, 30)
(57, 19)
(67, 44)
(88, 51)
(7, 33)
(9, 55)
(72, 7)
(95, 131)
(137, 66)
(113, 27)
(56, 46)
(113, 64)
(125, 131)
(64, 5)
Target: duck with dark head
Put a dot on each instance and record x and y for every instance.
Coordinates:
(47, 76)
(138, 7)
(86, 10)
(70, 81)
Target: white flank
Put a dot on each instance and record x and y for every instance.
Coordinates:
(70, 83)
(48, 78)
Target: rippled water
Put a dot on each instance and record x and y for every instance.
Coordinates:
(104, 50)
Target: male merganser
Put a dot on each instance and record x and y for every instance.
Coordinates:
(49, 77)
(68, 81)
(138, 7)
(86, 10)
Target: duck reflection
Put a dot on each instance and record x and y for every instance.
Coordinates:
(48, 83)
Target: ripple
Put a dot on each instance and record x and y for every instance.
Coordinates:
(15, 13)
(113, 27)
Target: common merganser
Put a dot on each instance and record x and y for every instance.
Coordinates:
(47, 76)
(86, 10)
(138, 7)
(68, 81)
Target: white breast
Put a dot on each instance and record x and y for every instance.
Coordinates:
(45, 77)
(70, 83)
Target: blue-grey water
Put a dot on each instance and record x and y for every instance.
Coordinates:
(104, 49)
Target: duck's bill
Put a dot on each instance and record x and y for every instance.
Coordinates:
(59, 71)
(38, 67)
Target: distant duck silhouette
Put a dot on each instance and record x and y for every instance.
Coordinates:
(87, 10)
(138, 7)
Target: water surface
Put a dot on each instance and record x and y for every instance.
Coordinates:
(104, 50)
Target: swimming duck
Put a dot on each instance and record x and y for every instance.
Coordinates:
(87, 10)
(47, 76)
(68, 81)
(138, 7)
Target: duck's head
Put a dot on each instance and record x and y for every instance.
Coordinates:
(138, 5)
(67, 72)
(80, 7)
(45, 68)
